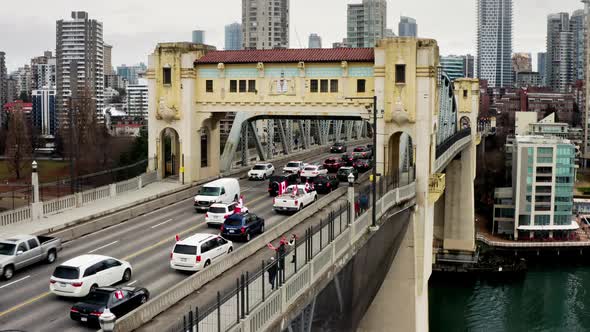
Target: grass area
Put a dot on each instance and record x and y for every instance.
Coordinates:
(49, 170)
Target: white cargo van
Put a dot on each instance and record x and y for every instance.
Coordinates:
(219, 191)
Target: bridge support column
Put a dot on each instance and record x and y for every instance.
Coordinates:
(459, 204)
(400, 305)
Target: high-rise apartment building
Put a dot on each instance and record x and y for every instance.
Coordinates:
(578, 27)
(43, 70)
(469, 66)
(541, 63)
(24, 82)
(407, 27)
(233, 37)
(494, 42)
(79, 43)
(265, 24)
(559, 69)
(198, 37)
(315, 41)
(108, 59)
(44, 112)
(131, 73)
(366, 23)
(137, 99)
(3, 80)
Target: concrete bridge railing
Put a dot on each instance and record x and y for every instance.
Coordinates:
(253, 306)
(449, 149)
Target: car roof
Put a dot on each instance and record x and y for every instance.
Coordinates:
(85, 260)
(220, 182)
(306, 166)
(262, 164)
(196, 239)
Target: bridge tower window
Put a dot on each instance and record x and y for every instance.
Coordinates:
(167, 75)
(209, 86)
(361, 86)
(400, 74)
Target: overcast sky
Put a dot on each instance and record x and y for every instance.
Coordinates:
(134, 27)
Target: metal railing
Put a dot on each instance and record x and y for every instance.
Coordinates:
(532, 244)
(261, 296)
(444, 146)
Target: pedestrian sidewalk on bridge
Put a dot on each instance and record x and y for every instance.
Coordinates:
(92, 210)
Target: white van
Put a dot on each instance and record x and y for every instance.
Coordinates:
(80, 275)
(198, 251)
(219, 191)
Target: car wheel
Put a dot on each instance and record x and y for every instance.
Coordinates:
(207, 263)
(236, 198)
(93, 288)
(8, 272)
(51, 256)
(261, 228)
(230, 250)
(143, 299)
(248, 237)
(127, 275)
(300, 207)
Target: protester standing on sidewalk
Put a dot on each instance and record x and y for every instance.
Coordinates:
(364, 202)
(272, 272)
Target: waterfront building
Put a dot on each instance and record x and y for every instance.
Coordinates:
(265, 24)
(366, 23)
(233, 37)
(407, 27)
(543, 172)
(494, 42)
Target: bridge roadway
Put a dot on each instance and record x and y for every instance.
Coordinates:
(144, 241)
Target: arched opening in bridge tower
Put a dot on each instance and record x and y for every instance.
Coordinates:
(170, 152)
(400, 169)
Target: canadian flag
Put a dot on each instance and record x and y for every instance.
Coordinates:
(119, 294)
(282, 187)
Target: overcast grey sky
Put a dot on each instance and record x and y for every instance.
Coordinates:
(133, 27)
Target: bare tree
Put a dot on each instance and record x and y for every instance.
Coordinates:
(18, 143)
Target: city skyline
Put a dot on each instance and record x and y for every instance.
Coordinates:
(133, 39)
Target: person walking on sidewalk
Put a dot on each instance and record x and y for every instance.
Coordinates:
(364, 202)
(272, 272)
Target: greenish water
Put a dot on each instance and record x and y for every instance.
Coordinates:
(555, 298)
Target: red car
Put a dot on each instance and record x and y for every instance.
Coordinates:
(332, 164)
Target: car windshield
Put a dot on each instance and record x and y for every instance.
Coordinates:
(210, 191)
(293, 165)
(343, 170)
(98, 297)
(259, 168)
(330, 161)
(311, 168)
(216, 209)
(7, 248)
(66, 272)
(234, 221)
(185, 250)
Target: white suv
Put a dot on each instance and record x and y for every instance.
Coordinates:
(79, 276)
(219, 212)
(199, 251)
(311, 171)
(261, 171)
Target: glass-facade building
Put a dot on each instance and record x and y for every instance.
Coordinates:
(543, 175)
(233, 37)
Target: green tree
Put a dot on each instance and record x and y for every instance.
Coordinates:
(18, 143)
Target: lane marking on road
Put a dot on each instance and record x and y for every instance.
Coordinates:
(162, 223)
(29, 301)
(167, 239)
(106, 245)
(14, 282)
(131, 283)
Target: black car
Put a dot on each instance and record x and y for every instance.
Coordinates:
(119, 300)
(338, 147)
(343, 173)
(347, 159)
(324, 184)
(242, 226)
(362, 165)
(275, 183)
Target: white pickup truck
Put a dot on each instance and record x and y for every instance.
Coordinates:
(20, 251)
(294, 199)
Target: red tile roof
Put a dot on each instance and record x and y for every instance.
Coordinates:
(290, 55)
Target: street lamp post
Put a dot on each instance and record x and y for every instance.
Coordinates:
(374, 160)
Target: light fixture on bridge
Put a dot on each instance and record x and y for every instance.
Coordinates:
(350, 179)
(107, 320)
